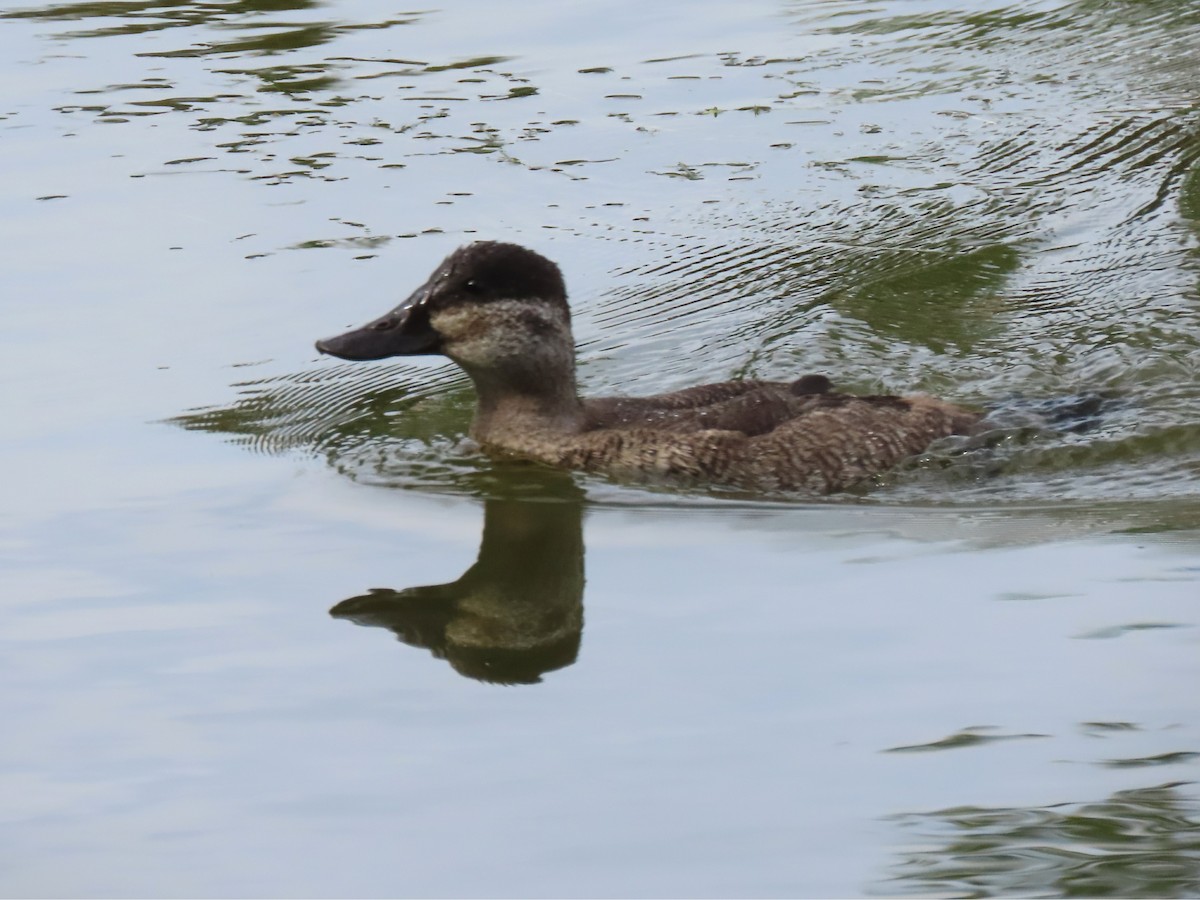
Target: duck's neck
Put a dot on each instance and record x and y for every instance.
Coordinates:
(509, 408)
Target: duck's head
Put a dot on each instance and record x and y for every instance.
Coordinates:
(498, 310)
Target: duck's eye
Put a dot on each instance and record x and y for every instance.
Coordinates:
(473, 286)
(385, 325)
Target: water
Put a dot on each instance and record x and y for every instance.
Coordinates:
(975, 678)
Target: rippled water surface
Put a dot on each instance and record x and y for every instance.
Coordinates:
(975, 678)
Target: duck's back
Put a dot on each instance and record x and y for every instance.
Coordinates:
(749, 407)
(759, 435)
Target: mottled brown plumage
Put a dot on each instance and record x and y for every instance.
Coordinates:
(500, 312)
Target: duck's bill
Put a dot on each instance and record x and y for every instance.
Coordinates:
(403, 332)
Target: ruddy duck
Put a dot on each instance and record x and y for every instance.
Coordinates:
(500, 311)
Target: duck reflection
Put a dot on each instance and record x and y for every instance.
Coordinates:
(516, 614)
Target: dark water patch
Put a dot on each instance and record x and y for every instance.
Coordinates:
(185, 104)
(975, 736)
(475, 62)
(281, 38)
(1023, 597)
(1137, 843)
(1160, 759)
(301, 79)
(1189, 194)
(369, 242)
(188, 160)
(1116, 631)
(149, 17)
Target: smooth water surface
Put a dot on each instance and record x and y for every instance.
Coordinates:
(272, 627)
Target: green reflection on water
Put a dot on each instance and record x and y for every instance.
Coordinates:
(153, 15)
(1189, 194)
(969, 737)
(934, 297)
(1137, 843)
(337, 407)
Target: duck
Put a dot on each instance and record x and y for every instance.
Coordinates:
(499, 311)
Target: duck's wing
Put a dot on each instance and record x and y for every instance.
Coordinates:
(749, 407)
(844, 440)
(609, 412)
(836, 441)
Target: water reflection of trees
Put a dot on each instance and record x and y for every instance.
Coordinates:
(250, 34)
(1137, 843)
(513, 615)
(141, 16)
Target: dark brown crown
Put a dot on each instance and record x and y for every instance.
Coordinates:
(490, 270)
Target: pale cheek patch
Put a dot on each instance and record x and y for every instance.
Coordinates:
(458, 323)
(497, 330)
